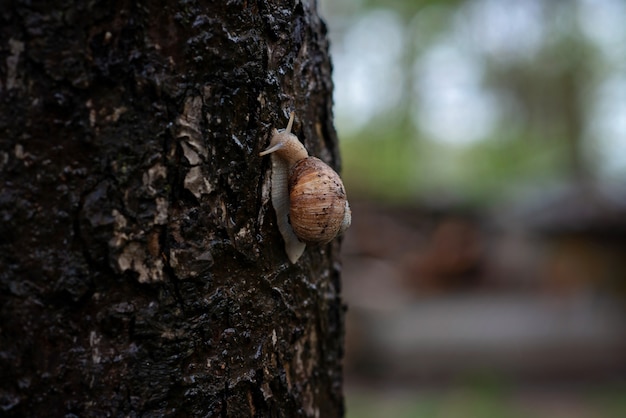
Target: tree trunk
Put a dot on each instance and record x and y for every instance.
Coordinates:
(141, 269)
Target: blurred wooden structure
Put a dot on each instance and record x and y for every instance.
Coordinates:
(534, 292)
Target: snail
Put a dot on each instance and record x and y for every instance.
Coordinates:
(308, 196)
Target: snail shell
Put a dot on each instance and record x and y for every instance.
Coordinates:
(317, 201)
(308, 195)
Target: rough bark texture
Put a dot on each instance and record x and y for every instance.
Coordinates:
(141, 269)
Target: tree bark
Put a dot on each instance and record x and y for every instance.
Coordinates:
(141, 269)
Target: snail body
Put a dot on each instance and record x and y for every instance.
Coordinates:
(308, 195)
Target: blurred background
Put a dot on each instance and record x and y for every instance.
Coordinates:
(484, 154)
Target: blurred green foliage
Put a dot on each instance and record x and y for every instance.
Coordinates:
(487, 402)
(542, 81)
(386, 166)
(380, 164)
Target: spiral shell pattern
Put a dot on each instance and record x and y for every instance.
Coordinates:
(318, 208)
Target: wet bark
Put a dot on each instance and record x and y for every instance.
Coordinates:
(141, 269)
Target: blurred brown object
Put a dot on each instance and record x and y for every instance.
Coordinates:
(431, 249)
(384, 232)
(577, 264)
(526, 290)
(583, 229)
(452, 259)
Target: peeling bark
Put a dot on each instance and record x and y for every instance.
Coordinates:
(141, 269)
